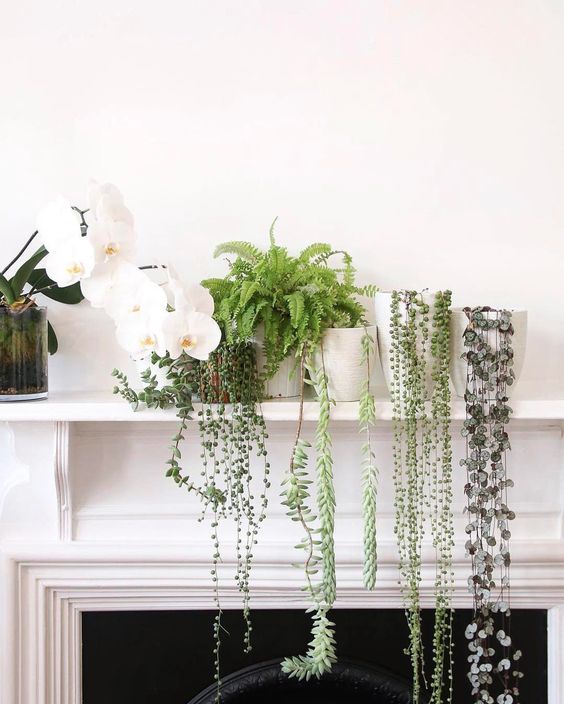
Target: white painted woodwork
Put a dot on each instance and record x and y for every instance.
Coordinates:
(88, 521)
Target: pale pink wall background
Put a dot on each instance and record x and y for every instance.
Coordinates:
(413, 133)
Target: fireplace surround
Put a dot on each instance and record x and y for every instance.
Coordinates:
(88, 524)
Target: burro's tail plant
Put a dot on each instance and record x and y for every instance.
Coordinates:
(367, 418)
(423, 473)
(318, 541)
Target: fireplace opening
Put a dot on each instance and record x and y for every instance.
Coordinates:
(165, 657)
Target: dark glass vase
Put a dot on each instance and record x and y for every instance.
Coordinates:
(23, 353)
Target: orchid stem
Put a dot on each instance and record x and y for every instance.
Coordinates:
(19, 254)
(39, 290)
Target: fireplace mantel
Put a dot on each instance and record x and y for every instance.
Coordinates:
(102, 406)
(89, 523)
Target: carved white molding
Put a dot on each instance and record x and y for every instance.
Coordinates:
(13, 471)
(89, 524)
(57, 584)
(62, 480)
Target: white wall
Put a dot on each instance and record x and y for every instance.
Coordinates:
(427, 138)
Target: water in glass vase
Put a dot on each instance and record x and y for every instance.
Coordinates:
(23, 353)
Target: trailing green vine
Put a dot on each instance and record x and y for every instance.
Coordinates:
(232, 431)
(318, 543)
(423, 472)
(489, 356)
(441, 496)
(367, 418)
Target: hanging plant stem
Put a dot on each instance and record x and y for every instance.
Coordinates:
(367, 417)
(423, 473)
(232, 431)
(494, 671)
(321, 652)
(441, 495)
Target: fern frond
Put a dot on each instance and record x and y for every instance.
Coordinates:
(271, 232)
(296, 306)
(315, 250)
(244, 250)
(370, 290)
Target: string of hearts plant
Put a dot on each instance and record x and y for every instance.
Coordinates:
(423, 473)
(489, 356)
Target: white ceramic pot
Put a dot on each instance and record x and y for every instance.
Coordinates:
(284, 384)
(342, 356)
(383, 313)
(458, 368)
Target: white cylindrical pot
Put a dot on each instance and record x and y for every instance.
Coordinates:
(286, 382)
(343, 359)
(458, 366)
(383, 313)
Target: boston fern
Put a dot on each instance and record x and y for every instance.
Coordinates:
(291, 301)
(295, 298)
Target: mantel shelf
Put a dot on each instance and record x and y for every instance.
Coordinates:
(102, 406)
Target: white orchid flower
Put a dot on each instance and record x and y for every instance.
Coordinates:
(111, 224)
(194, 333)
(105, 202)
(193, 297)
(71, 261)
(57, 223)
(111, 239)
(98, 285)
(142, 334)
(133, 293)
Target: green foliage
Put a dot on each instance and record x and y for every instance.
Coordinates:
(6, 290)
(367, 418)
(294, 299)
(318, 542)
(232, 431)
(325, 488)
(13, 293)
(71, 295)
(52, 342)
(423, 472)
(321, 652)
(21, 277)
(489, 355)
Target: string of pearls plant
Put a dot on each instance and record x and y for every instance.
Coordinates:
(489, 356)
(423, 473)
(232, 431)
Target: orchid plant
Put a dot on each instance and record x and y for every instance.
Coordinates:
(87, 254)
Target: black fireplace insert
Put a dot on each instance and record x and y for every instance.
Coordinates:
(165, 657)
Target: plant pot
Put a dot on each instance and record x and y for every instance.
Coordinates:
(286, 382)
(23, 353)
(458, 366)
(343, 360)
(383, 313)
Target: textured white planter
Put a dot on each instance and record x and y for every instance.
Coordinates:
(458, 369)
(342, 356)
(283, 384)
(383, 313)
